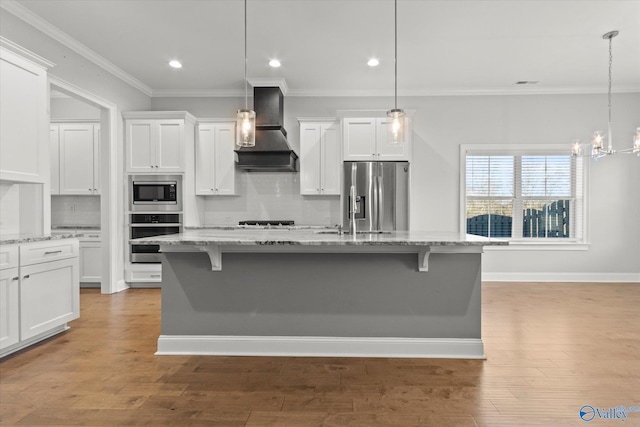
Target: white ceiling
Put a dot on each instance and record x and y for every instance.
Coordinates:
(444, 47)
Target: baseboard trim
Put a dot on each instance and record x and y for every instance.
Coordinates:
(450, 348)
(562, 277)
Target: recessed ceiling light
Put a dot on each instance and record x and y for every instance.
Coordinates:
(175, 64)
(274, 63)
(373, 62)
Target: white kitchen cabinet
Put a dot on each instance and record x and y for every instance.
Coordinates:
(91, 257)
(320, 158)
(157, 141)
(9, 297)
(24, 117)
(54, 158)
(49, 296)
(75, 158)
(215, 159)
(39, 295)
(79, 159)
(366, 139)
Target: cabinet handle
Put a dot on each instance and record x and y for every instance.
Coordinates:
(89, 189)
(15, 278)
(52, 252)
(151, 166)
(155, 275)
(27, 276)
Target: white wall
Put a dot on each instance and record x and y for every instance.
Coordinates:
(441, 124)
(72, 109)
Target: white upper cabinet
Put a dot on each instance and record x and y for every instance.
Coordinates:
(156, 141)
(54, 158)
(367, 139)
(215, 159)
(75, 166)
(320, 158)
(24, 118)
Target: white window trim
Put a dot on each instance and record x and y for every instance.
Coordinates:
(519, 245)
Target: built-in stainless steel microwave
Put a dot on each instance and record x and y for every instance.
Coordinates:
(155, 193)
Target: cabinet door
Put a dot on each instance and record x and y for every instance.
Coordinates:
(359, 139)
(204, 159)
(24, 120)
(141, 152)
(9, 307)
(169, 146)
(387, 151)
(49, 296)
(310, 142)
(54, 155)
(330, 160)
(224, 162)
(90, 262)
(76, 159)
(96, 159)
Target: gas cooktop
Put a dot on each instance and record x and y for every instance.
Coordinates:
(268, 223)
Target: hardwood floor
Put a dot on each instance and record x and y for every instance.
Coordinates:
(551, 348)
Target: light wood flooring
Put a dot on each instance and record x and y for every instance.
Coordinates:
(551, 348)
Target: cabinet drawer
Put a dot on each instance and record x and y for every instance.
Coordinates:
(8, 256)
(90, 236)
(145, 276)
(34, 253)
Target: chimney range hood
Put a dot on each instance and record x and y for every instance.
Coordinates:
(272, 152)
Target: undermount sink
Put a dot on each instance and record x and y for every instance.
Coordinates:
(357, 232)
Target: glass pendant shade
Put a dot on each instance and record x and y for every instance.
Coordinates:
(636, 141)
(396, 125)
(246, 128)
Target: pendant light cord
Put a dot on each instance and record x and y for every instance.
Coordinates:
(395, 58)
(245, 57)
(610, 62)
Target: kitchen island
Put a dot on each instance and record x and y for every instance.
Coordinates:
(315, 292)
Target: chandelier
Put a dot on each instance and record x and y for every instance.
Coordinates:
(597, 143)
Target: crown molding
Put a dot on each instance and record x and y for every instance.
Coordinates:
(63, 38)
(196, 93)
(266, 82)
(25, 53)
(171, 93)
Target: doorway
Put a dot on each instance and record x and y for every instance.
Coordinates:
(111, 204)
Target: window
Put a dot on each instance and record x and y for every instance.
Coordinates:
(526, 194)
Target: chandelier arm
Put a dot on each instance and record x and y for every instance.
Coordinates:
(395, 54)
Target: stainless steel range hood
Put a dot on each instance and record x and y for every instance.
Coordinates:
(272, 152)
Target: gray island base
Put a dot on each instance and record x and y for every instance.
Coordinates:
(303, 293)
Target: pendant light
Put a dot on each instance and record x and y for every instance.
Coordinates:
(597, 142)
(246, 118)
(396, 116)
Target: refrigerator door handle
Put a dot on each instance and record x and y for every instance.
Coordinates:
(380, 190)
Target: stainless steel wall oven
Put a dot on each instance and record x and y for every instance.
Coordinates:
(149, 225)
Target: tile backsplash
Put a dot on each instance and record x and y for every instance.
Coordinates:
(75, 210)
(274, 196)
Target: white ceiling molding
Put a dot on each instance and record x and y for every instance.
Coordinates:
(171, 93)
(63, 38)
(27, 54)
(177, 93)
(266, 82)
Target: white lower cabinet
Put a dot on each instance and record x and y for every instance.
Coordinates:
(9, 307)
(39, 292)
(49, 296)
(91, 258)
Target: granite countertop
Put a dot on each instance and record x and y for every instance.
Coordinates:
(75, 227)
(312, 237)
(14, 239)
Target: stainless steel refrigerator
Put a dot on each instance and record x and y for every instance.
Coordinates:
(376, 195)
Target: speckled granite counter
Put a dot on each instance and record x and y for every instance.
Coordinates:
(312, 237)
(314, 292)
(15, 239)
